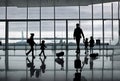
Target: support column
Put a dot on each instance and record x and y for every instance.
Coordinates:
(118, 23)
(66, 50)
(6, 46)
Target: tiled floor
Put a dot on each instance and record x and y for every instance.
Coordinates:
(104, 69)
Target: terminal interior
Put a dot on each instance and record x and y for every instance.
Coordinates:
(54, 21)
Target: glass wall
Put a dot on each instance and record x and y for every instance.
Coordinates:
(55, 25)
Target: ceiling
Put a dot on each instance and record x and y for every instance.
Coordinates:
(48, 3)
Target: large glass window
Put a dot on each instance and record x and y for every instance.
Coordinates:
(67, 12)
(86, 12)
(97, 11)
(107, 10)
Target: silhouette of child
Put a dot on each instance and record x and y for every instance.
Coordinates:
(42, 48)
(91, 44)
(86, 44)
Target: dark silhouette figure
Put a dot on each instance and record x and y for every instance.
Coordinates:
(31, 66)
(77, 63)
(91, 44)
(77, 76)
(86, 44)
(77, 35)
(85, 60)
(43, 65)
(31, 43)
(42, 49)
(60, 54)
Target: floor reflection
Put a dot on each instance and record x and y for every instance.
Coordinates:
(56, 68)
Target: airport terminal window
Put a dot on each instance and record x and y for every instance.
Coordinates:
(108, 30)
(86, 12)
(47, 12)
(115, 32)
(2, 42)
(16, 13)
(107, 11)
(60, 35)
(2, 12)
(34, 13)
(50, 25)
(97, 11)
(97, 25)
(67, 12)
(115, 10)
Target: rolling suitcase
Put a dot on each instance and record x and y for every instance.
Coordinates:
(60, 54)
(77, 64)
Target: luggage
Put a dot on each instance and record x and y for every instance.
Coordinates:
(60, 54)
(77, 64)
(28, 41)
(94, 55)
(98, 42)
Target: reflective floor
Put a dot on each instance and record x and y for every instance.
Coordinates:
(106, 67)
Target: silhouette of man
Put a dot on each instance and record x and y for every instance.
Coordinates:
(42, 48)
(31, 43)
(77, 35)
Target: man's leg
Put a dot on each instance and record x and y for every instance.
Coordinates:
(28, 52)
(32, 49)
(78, 43)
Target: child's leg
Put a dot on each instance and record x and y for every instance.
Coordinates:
(44, 54)
(40, 53)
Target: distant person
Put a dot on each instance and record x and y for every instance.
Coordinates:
(86, 44)
(31, 43)
(91, 44)
(42, 49)
(77, 35)
(43, 65)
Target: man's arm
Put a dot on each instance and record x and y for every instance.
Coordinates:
(82, 34)
(74, 34)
